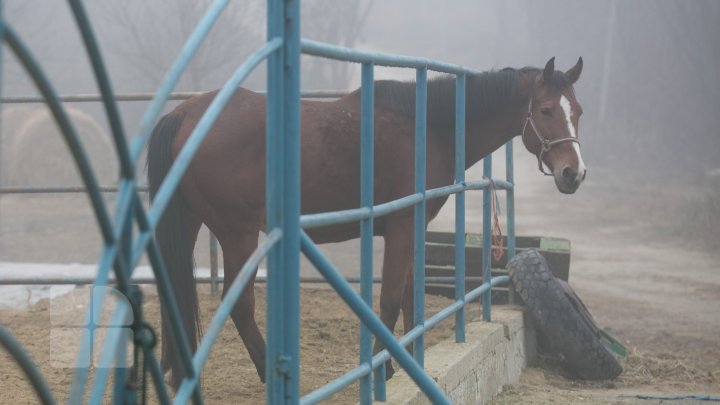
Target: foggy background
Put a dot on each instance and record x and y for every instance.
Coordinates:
(649, 89)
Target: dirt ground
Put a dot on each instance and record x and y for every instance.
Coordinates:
(645, 277)
(329, 346)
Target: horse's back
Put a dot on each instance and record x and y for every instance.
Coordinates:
(225, 183)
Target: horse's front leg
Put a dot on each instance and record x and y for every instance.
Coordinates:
(407, 306)
(397, 262)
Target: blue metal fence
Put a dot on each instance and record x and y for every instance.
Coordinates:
(286, 237)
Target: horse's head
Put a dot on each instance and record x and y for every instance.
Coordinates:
(551, 126)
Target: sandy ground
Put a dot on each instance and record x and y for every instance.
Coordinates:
(645, 280)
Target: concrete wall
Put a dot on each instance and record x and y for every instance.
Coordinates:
(493, 356)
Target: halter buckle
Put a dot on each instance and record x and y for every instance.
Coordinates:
(546, 145)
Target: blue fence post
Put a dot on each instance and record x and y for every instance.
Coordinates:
(283, 208)
(460, 206)
(126, 241)
(487, 235)
(419, 225)
(366, 225)
(510, 177)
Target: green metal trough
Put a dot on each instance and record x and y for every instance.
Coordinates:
(440, 260)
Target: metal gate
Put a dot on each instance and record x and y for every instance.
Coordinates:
(123, 247)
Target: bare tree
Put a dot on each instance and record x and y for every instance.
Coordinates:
(147, 35)
(336, 22)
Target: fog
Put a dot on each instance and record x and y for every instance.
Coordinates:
(649, 89)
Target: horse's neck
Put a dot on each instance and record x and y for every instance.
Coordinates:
(483, 138)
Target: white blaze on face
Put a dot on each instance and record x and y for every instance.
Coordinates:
(567, 109)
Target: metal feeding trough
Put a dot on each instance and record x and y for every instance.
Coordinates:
(440, 260)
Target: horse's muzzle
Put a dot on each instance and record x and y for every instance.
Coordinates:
(568, 180)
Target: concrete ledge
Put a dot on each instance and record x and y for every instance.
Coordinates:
(493, 356)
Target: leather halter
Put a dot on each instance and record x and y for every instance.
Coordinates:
(545, 143)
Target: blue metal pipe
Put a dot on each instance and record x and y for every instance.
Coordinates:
(103, 82)
(333, 387)
(113, 340)
(487, 237)
(157, 376)
(173, 76)
(324, 50)
(379, 359)
(368, 317)
(177, 95)
(283, 208)
(510, 176)
(199, 280)
(85, 349)
(17, 352)
(290, 243)
(419, 212)
(60, 190)
(460, 205)
(68, 130)
(183, 159)
(367, 135)
(310, 221)
(224, 311)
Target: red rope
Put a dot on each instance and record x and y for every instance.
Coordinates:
(496, 232)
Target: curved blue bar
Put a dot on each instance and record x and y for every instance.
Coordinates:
(182, 160)
(223, 312)
(173, 76)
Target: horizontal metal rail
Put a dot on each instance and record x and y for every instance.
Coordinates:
(180, 95)
(201, 280)
(353, 375)
(62, 189)
(315, 48)
(352, 215)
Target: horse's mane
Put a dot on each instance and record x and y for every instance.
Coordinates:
(487, 93)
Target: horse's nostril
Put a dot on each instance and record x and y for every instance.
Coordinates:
(568, 174)
(584, 174)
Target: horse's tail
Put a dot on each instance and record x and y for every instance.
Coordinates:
(176, 246)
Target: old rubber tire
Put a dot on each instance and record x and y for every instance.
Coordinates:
(560, 315)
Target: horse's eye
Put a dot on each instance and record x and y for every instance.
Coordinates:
(546, 112)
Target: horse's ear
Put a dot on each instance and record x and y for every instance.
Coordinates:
(574, 73)
(549, 70)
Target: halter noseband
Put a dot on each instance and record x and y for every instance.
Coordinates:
(545, 143)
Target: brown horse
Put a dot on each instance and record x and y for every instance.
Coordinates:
(224, 186)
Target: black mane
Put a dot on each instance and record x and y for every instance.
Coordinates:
(486, 93)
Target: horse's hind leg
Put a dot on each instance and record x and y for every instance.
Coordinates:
(397, 263)
(407, 306)
(236, 250)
